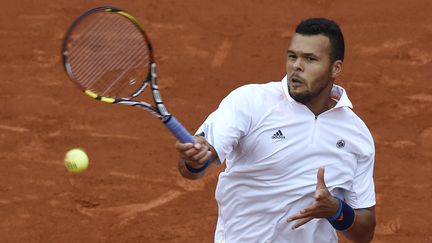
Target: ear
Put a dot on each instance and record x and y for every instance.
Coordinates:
(336, 68)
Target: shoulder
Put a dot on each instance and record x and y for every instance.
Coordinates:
(362, 130)
(361, 125)
(256, 93)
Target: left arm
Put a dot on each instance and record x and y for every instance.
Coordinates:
(364, 226)
(359, 229)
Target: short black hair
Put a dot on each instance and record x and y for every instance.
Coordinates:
(328, 28)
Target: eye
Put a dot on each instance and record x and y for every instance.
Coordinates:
(311, 59)
(292, 57)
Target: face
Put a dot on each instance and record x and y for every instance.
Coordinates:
(309, 67)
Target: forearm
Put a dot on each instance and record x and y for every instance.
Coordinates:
(362, 231)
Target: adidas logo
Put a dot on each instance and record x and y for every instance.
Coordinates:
(278, 135)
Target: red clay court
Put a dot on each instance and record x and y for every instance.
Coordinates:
(132, 191)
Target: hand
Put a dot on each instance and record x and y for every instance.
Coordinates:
(195, 155)
(324, 206)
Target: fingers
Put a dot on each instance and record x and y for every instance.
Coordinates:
(194, 154)
(304, 213)
(304, 216)
(324, 205)
(301, 218)
(321, 192)
(181, 147)
(320, 179)
(202, 155)
(301, 222)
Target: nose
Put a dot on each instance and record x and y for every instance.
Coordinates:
(297, 65)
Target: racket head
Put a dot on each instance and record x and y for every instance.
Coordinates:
(108, 55)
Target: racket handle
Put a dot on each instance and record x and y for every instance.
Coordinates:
(179, 131)
(184, 136)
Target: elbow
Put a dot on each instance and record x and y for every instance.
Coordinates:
(363, 229)
(370, 232)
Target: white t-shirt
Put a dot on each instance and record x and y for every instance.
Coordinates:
(273, 147)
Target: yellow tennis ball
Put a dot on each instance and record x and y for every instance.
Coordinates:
(76, 160)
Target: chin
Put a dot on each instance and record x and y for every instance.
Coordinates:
(303, 97)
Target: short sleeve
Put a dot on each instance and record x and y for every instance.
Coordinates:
(224, 127)
(362, 193)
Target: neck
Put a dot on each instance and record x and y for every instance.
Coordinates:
(322, 102)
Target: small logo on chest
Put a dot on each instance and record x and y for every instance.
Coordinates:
(278, 135)
(340, 144)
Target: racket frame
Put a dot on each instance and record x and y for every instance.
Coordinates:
(159, 110)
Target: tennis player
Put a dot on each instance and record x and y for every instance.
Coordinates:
(299, 161)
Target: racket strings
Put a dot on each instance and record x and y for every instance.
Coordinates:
(104, 52)
(103, 62)
(82, 39)
(87, 41)
(109, 55)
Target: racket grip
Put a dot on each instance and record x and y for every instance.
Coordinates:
(184, 136)
(179, 131)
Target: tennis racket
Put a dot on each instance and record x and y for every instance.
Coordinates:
(107, 54)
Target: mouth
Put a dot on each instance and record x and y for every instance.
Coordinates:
(296, 81)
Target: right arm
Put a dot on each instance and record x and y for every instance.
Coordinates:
(223, 128)
(195, 156)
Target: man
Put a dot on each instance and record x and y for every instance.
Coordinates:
(277, 139)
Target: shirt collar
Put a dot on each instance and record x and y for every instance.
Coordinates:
(337, 93)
